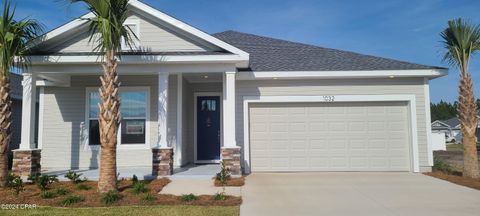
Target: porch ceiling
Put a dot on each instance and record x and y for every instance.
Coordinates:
(203, 77)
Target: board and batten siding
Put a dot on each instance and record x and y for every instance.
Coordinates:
(153, 38)
(411, 86)
(64, 111)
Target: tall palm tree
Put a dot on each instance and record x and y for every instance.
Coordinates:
(15, 36)
(107, 31)
(461, 39)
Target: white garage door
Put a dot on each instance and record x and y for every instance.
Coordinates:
(366, 136)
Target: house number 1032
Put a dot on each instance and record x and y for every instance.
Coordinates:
(329, 98)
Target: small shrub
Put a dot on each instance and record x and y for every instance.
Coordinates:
(15, 183)
(72, 200)
(110, 197)
(219, 196)
(440, 165)
(149, 197)
(47, 194)
(62, 191)
(73, 176)
(84, 187)
(34, 178)
(10, 178)
(134, 179)
(188, 197)
(44, 181)
(224, 174)
(139, 187)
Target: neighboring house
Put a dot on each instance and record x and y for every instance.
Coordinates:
(260, 103)
(451, 129)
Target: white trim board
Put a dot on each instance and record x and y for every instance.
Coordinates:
(247, 100)
(255, 75)
(195, 95)
(428, 125)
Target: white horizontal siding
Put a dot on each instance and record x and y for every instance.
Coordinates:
(65, 110)
(412, 86)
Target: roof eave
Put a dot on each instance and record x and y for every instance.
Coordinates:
(428, 73)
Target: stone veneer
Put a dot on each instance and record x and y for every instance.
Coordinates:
(162, 161)
(26, 162)
(231, 159)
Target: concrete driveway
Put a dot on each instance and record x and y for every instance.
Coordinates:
(356, 194)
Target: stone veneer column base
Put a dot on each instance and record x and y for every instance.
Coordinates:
(26, 162)
(231, 159)
(162, 161)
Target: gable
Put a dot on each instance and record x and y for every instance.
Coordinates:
(153, 37)
(165, 39)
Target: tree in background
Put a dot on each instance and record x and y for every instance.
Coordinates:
(443, 110)
(15, 35)
(461, 39)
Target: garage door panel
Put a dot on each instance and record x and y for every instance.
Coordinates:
(329, 137)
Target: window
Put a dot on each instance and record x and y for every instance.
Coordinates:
(135, 45)
(133, 110)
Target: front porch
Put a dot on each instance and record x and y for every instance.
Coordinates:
(165, 130)
(190, 171)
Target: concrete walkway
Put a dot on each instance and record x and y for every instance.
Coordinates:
(198, 187)
(368, 194)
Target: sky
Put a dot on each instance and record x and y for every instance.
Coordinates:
(406, 30)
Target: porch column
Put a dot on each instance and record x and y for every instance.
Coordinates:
(162, 160)
(230, 150)
(26, 159)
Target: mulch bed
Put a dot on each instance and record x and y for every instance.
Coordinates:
(460, 180)
(232, 182)
(31, 195)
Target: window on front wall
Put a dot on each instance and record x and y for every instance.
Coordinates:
(133, 110)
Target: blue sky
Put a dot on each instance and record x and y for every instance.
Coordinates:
(398, 29)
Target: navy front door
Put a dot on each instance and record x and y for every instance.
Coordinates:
(208, 128)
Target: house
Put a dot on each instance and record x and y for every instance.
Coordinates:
(257, 103)
(451, 129)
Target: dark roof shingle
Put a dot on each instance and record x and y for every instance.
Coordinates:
(269, 54)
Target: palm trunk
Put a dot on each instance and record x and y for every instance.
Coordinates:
(467, 114)
(109, 120)
(5, 125)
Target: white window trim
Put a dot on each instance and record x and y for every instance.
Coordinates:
(247, 100)
(195, 97)
(120, 146)
(136, 30)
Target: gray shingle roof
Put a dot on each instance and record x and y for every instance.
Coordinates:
(16, 88)
(269, 54)
(453, 122)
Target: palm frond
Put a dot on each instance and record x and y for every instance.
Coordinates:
(15, 37)
(461, 39)
(107, 29)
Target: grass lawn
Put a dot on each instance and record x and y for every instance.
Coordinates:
(144, 210)
(454, 147)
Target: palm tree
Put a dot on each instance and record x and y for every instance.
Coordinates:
(461, 39)
(107, 31)
(15, 37)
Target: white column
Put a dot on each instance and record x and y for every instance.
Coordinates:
(229, 109)
(28, 112)
(162, 110)
(179, 147)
